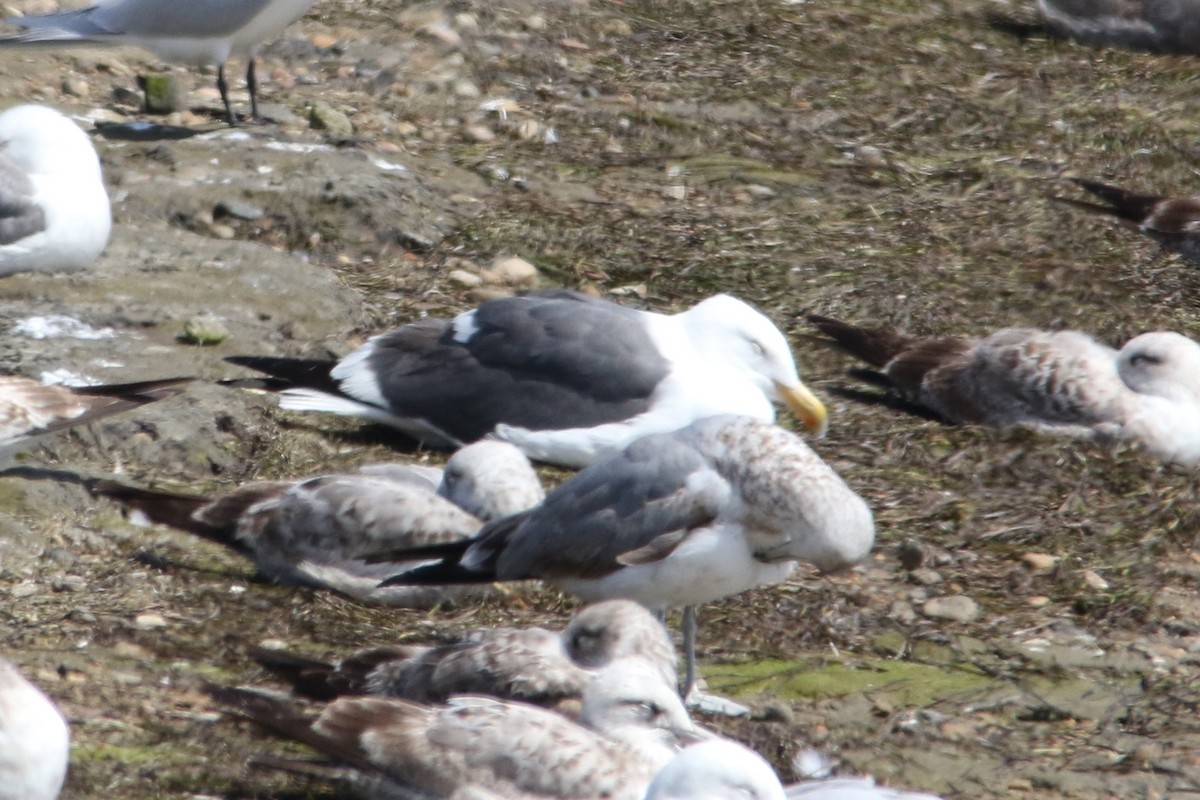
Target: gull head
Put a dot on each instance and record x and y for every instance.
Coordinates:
(747, 340)
(629, 701)
(716, 770)
(614, 629)
(1162, 363)
(41, 141)
(491, 479)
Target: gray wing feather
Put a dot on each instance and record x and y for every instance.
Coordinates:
(198, 19)
(20, 217)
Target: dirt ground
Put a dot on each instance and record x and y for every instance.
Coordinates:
(884, 161)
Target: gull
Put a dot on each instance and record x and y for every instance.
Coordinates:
(566, 377)
(1173, 222)
(631, 725)
(717, 508)
(34, 740)
(721, 769)
(1168, 26)
(1061, 382)
(30, 408)
(54, 210)
(196, 32)
(533, 665)
(315, 532)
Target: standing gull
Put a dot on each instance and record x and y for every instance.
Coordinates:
(316, 532)
(1173, 222)
(632, 724)
(1062, 382)
(34, 740)
(566, 377)
(533, 665)
(54, 210)
(676, 519)
(1167, 26)
(195, 32)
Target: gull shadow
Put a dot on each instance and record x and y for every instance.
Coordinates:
(885, 399)
(138, 131)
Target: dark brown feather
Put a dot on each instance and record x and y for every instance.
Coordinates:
(875, 346)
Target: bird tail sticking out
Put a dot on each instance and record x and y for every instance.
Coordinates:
(285, 373)
(875, 346)
(1120, 203)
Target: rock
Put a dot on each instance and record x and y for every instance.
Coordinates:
(239, 209)
(534, 22)
(149, 622)
(69, 583)
(162, 93)
(324, 117)
(1039, 562)
(480, 133)
(204, 330)
(910, 554)
(511, 271)
(74, 86)
(926, 576)
(1037, 601)
(675, 192)
(1093, 580)
(956, 608)
(464, 279)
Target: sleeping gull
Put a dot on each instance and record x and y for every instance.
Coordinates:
(1173, 222)
(676, 519)
(534, 665)
(54, 211)
(29, 408)
(1062, 382)
(34, 740)
(196, 32)
(724, 770)
(632, 724)
(314, 532)
(1168, 26)
(566, 377)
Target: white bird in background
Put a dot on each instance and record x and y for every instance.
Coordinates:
(34, 740)
(54, 210)
(195, 32)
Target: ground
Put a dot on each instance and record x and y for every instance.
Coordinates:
(884, 161)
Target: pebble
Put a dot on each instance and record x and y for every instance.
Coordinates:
(322, 116)
(220, 230)
(464, 279)
(74, 86)
(535, 22)
(1039, 562)
(26, 589)
(69, 583)
(910, 554)
(957, 608)
(902, 612)
(204, 330)
(926, 576)
(677, 192)
(510, 271)
(1037, 601)
(239, 209)
(148, 622)
(480, 133)
(162, 93)
(1092, 579)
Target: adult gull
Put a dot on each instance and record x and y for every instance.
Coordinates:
(1173, 222)
(675, 519)
(34, 740)
(566, 377)
(1168, 26)
(315, 532)
(1062, 382)
(54, 209)
(534, 665)
(197, 32)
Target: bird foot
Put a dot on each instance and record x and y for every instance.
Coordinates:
(712, 704)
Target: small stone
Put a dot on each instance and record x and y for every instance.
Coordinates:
(464, 279)
(69, 583)
(239, 209)
(466, 21)
(902, 612)
(529, 129)
(466, 89)
(443, 33)
(323, 41)
(325, 117)
(220, 230)
(148, 622)
(273, 644)
(162, 93)
(870, 155)
(1093, 580)
(1039, 562)
(535, 22)
(26, 589)
(204, 330)
(616, 27)
(956, 608)
(1037, 601)
(926, 576)
(677, 192)
(75, 86)
(510, 271)
(480, 133)
(910, 554)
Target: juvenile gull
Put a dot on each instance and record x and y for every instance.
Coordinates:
(1173, 222)
(34, 740)
(315, 532)
(196, 32)
(533, 665)
(1169, 26)
(1062, 382)
(676, 519)
(30, 408)
(724, 770)
(54, 210)
(566, 377)
(632, 724)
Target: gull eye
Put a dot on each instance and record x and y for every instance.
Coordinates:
(758, 348)
(1144, 359)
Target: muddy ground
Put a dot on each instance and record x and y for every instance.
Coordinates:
(881, 160)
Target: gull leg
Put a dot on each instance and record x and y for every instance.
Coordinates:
(689, 651)
(694, 698)
(223, 88)
(252, 84)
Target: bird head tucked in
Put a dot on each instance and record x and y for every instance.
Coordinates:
(1163, 364)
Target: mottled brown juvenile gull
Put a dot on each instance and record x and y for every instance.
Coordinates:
(196, 32)
(724, 770)
(632, 724)
(34, 740)
(566, 377)
(316, 532)
(54, 210)
(29, 408)
(1168, 26)
(1173, 222)
(1062, 382)
(534, 665)
(676, 519)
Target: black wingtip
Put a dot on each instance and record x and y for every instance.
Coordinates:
(307, 373)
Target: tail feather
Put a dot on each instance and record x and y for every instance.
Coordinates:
(151, 390)
(1122, 203)
(291, 373)
(115, 398)
(165, 508)
(310, 678)
(442, 573)
(873, 345)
